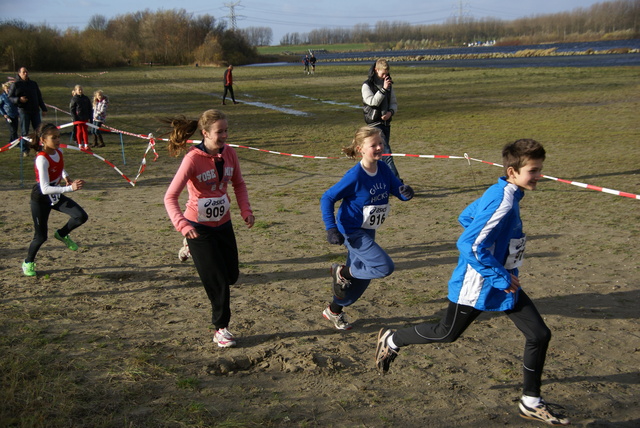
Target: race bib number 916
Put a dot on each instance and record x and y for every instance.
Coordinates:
(374, 215)
(212, 209)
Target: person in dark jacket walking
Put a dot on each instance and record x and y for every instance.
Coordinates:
(228, 85)
(26, 94)
(81, 112)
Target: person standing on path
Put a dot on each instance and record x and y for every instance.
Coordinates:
(25, 93)
(9, 111)
(100, 105)
(312, 62)
(228, 85)
(81, 112)
(379, 105)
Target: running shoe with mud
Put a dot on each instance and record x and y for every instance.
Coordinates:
(543, 413)
(67, 241)
(340, 285)
(385, 354)
(224, 338)
(29, 268)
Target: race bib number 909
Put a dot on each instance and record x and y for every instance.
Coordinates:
(212, 209)
(374, 215)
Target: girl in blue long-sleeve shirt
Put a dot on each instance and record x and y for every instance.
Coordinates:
(364, 191)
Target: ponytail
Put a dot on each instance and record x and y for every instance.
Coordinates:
(43, 130)
(184, 128)
(362, 133)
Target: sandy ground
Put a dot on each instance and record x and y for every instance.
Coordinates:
(133, 321)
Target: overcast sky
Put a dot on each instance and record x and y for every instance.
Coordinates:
(286, 16)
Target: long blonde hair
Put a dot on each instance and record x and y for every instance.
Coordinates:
(96, 94)
(353, 150)
(184, 128)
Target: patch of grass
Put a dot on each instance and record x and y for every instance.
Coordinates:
(262, 225)
(188, 383)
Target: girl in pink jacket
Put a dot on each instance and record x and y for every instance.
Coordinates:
(206, 171)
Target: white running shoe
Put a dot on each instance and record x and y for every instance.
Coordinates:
(543, 413)
(224, 338)
(338, 320)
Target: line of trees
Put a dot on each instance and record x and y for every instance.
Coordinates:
(257, 36)
(175, 37)
(618, 18)
(169, 37)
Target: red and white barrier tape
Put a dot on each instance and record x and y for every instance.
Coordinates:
(152, 144)
(573, 183)
(11, 145)
(16, 142)
(82, 75)
(58, 109)
(143, 162)
(89, 152)
(282, 153)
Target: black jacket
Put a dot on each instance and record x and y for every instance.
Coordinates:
(29, 89)
(80, 108)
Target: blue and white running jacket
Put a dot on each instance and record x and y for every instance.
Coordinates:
(491, 249)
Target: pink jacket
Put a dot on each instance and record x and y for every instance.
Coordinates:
(198, 172)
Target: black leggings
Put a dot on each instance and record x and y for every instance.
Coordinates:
(215, 255)
(458, 317)
(230, 90)
(40, 210)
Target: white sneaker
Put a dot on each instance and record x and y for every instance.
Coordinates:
(543, 413)
(338, 320)
(224, 338)
(184, 253)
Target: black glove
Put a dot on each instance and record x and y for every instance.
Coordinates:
(334, 236)
(406, 191)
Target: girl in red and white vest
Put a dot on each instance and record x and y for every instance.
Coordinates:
(48, 194)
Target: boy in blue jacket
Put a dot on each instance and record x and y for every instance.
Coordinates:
(486, 278)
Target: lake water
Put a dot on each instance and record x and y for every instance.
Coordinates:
(605, 60)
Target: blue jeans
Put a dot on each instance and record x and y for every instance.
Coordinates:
(386, 149)
(13, 129)
(96, 131)
(27, 118)
(366, 260)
